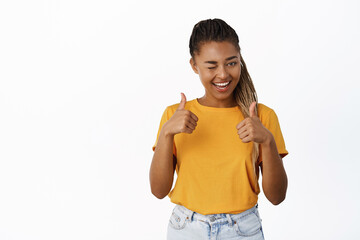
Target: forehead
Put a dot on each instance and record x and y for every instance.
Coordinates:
(217, 50)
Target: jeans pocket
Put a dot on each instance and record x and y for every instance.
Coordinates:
(177, 220)
(248, 225)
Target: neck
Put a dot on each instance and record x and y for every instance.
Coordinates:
(217, 103)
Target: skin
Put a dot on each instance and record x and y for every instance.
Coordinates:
(163, 163)
(217, 62)
(274, 179)
(218, 70)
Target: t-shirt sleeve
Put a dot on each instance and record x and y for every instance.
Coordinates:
(273, 125)
(165, 117)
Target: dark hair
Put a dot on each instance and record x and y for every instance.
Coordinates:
(218, 30)
(211, 30)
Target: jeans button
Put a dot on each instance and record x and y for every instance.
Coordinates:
(212, 219)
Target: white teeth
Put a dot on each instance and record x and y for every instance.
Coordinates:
(222, 84)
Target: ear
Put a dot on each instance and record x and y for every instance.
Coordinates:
(193, 65)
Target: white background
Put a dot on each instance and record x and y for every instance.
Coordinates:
(83, 85)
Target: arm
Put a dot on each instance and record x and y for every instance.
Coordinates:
(274, 179)
(163, 165)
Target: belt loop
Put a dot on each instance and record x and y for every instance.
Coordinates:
(190, 215)
(229, 219)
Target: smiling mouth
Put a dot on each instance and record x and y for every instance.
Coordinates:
(222, 85)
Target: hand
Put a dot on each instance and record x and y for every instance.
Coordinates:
(182, 121)
(251, 128)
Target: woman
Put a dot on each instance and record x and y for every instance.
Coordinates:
(216, 144)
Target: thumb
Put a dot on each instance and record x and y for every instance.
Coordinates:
(182, 103)
(252, 109)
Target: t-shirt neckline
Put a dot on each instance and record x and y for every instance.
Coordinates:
(215, 109)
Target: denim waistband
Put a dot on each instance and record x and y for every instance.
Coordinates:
(191, 215)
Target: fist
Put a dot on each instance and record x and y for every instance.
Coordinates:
(182, 121)
(251, 128)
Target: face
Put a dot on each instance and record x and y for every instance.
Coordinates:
(219, 69)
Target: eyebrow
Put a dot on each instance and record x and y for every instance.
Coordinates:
(214, 62)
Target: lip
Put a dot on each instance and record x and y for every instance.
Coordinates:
(222, 90)
(222, 82)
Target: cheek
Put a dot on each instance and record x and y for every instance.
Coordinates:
(236, 73)
(206, 76)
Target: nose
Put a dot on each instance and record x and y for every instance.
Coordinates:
(222, 72)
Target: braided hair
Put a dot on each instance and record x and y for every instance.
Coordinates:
(244, 93)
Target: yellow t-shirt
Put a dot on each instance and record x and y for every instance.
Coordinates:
(214, 167)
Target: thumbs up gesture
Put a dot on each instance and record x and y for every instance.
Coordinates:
(251, 128)
(182, 121)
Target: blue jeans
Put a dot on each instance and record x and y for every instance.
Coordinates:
(186, 224)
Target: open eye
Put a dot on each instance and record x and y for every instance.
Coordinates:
(211, 67)
(232, 63)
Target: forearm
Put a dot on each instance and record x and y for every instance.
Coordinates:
(162, 165)
(274, 179)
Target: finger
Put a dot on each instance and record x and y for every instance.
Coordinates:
(252, 109)
(182, 102)
(192, 121)
(188, 130)
(241, 124)
(185, 129)
(246, 139)
(194, 117)
(190, 125)
(243, 133)
(190, 117)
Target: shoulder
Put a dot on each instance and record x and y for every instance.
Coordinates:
(172, 108)
(262, 108)
(264, 111)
